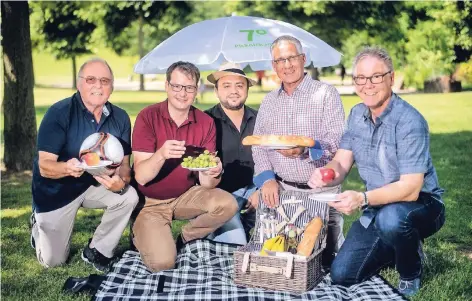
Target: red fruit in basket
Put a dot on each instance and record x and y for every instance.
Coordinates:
(327, 174)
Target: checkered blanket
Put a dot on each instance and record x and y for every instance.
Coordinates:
(204, 272)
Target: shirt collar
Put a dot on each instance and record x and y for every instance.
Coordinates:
(106, 110)
(164, 112)
(303, 86)
(220, 113)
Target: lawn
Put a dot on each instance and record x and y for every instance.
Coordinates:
(447, 277)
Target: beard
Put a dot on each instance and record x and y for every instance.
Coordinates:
(231, 107)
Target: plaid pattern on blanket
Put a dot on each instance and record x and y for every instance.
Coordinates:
(204, 271)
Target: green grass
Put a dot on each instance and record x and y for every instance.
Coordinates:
(448, 277)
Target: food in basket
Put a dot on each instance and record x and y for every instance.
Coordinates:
(312, 230)
(292, 241)
(268, 140)
(275, 244)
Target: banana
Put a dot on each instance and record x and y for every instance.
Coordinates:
(268, 245)
(279, 246)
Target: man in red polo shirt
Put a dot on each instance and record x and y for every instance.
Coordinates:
(160, 136)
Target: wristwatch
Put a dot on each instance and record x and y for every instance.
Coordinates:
(122, 190)
(365, 202)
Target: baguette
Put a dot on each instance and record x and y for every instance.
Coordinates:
(279, 140)
(312, 230)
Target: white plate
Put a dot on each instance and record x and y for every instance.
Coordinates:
(324, 197)
(199, 168)
(275, 146)
(100, 164)
(96, 170)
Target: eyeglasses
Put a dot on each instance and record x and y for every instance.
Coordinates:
(92, 80)
(375, 79)
(291, 59)
(178, 88)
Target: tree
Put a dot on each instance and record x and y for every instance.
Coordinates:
(64, 30)
(127, 23)
(438, 39)
(18, 100)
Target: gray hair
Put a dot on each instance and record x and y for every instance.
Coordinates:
(287, 39)
(373, 51)
(187, 68)
(96, 60)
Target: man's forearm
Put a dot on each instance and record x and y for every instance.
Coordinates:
(400, 191)
(208, 182)
(147, 170)
(52, 169)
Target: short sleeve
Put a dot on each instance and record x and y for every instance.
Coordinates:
(413, 147)
(144, 136)
(52, 133)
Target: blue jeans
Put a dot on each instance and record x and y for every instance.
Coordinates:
(393, 238)
(233, 231)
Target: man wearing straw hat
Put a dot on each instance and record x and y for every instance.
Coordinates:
(234, 121)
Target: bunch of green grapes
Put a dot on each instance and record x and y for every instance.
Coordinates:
(203, 160)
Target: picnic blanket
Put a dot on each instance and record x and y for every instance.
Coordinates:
(204, 271)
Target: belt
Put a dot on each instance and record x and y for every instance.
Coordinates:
(293, 184)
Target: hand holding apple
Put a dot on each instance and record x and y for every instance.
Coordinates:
(321, 177)
(327, 174)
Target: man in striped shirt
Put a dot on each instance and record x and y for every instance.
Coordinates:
(301, 106)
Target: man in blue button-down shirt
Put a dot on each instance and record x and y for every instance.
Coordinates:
(388, 140)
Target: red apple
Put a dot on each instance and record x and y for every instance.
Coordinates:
(327, 174)
(91, 159)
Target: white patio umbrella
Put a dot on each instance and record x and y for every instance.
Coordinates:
(237, 39)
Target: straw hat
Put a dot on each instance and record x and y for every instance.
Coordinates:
(229, 68)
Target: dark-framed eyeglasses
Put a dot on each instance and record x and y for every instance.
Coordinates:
(178, 88)
(92, 80)
(291, 59)
(375, 79)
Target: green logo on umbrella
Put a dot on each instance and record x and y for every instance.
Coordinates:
(250, 33)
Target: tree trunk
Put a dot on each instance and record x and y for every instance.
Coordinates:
(18, 100)
(74, 73)
(141, 48)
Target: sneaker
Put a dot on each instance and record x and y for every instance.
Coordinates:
(32, 222)
(409, 288)
(99, 261)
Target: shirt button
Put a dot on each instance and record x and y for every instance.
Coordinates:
(93, 120)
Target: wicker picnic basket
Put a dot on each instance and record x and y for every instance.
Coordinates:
(292, 273)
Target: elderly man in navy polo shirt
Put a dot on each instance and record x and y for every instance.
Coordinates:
(388, 140)
(60, 187)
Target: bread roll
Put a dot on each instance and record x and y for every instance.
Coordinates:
(279, 140)
(312, 230)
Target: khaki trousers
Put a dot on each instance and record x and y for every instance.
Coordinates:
(52, 231)
(207, 210)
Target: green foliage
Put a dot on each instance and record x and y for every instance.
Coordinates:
(158, 20)
(438, 38)
(464, 72)
(61, 28)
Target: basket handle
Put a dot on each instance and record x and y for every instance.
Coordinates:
(245, 262)
(287, 271)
